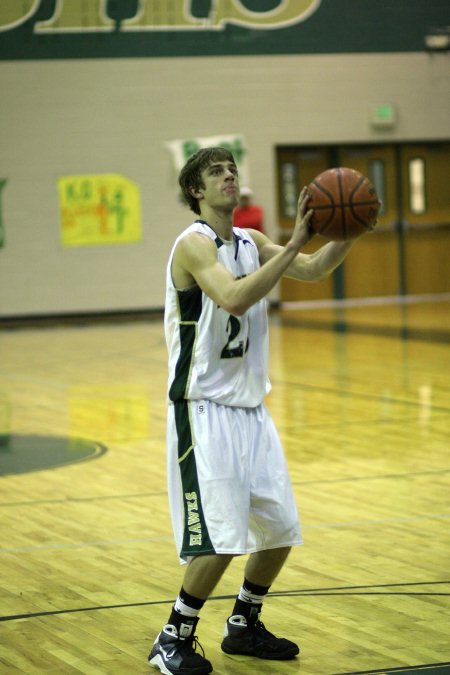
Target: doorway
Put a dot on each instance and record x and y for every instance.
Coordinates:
(409, 251)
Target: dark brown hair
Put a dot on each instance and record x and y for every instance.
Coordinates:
(191, 174)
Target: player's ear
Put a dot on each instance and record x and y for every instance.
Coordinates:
(196, 192)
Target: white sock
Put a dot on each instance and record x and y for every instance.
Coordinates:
(251, 598)
(185, 610)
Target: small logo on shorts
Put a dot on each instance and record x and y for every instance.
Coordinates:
(201, 409)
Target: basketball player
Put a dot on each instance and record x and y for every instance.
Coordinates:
(229, 489)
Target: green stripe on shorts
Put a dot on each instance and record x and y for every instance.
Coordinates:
(196, 539)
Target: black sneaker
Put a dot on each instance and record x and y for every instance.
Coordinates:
(174, 654)
(252, 639)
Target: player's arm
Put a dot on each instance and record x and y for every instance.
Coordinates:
(304, 267)
(195, 259)
(196, 255)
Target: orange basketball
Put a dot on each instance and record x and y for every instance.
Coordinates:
(345, 204)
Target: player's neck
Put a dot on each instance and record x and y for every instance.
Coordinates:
(220, 221)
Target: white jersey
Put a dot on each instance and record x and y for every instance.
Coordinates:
(212, 354)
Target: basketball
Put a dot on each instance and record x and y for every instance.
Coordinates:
(345, 204)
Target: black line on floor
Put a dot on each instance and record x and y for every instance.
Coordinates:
(337, 591)
(140, 495)
(76, 500)
(402, 669)
(387, 476)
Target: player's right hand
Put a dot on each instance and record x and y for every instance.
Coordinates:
(302, 232)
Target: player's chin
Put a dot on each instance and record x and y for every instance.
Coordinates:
(232, 199)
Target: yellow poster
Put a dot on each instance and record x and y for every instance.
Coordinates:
(99, 209)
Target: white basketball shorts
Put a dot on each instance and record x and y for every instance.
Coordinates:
(228, 483)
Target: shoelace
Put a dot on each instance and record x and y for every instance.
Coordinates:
(192, 643)
(260, 628)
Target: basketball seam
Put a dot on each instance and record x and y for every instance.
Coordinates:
(355, 215)
(339, 218)
(330, 206)
(341, 205)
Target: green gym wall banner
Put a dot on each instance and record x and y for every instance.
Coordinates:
(182, 149)
(55, 29)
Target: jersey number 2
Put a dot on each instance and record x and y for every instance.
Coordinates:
(233, 330)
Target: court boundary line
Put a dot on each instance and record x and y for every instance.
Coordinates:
(146, 540)
(342, 591)
(399, 669)
(145, 495)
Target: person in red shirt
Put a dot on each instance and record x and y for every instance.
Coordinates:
(246, 214)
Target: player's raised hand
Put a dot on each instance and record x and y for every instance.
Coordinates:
(302, 232)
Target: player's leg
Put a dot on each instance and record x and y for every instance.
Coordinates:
(208, 520)
(244, 632)
(274, 529)
(203, 573)
(263, 567)
(174, 648)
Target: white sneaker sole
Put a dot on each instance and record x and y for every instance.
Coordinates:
(157, 662)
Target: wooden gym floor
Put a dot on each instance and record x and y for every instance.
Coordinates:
(361, 397)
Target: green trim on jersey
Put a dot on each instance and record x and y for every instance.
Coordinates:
(190, 309)
(196, 539)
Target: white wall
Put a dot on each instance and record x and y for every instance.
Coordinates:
(74, 117)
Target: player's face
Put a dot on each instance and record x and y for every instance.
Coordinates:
(221, 183)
